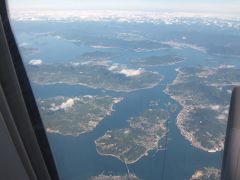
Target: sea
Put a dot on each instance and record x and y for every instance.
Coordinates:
(64, 42)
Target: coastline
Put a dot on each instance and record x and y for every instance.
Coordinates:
(181, 118)
(128, 162)
(115, 100)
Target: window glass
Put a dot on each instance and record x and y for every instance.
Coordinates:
(132, 89)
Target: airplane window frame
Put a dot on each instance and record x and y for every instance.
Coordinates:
(29, 100)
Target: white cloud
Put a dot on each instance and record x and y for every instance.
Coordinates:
(65, 105)
(35, 62)
(113, 67)
(101, 47)
(75, 63)
(215, 107)
(68, 104)
(23, 44)
(116, 68)
(156, 17)
(131, 72)
(225, 66)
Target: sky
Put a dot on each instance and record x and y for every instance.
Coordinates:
(214, 6)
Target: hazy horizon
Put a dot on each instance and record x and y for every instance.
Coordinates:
(220, 6)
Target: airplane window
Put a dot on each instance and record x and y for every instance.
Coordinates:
(132, 89)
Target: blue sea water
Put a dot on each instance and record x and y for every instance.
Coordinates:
(76, 157)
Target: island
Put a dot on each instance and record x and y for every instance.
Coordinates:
(207, 174)
(204, 94)
(129, 176)
(165, 60)
(143, 134)
(75, 115)
(94, 74)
